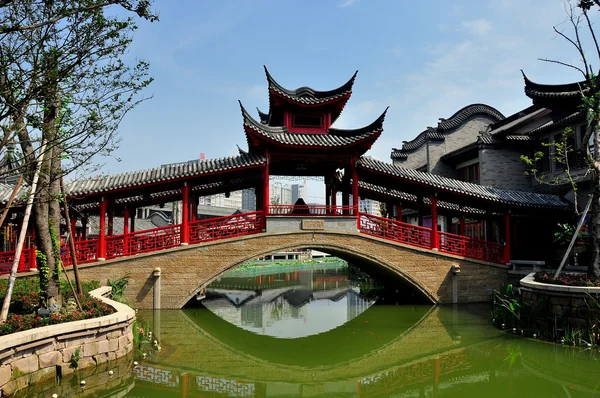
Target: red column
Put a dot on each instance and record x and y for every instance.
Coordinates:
(74, 227)
(420, 211)
(32, 258)
(435, 240)
(399, 212)
(354, 187)
(461, 226)
(266, 197)
(126, 231)
(184, 385)
(185, 214)
(194, 208)
(507, 237)
(102, 231)
(111, 216)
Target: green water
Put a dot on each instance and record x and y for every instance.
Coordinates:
(313, 333)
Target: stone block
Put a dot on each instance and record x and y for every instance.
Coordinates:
(69, 351)
(101, 358)
(13, 386)
(112, 355)
(66, 369)
(43, 374)
(25, 365)
(113, 344)
(48, 347)
(123, 341)
(102, 346)
(90, 349)
(5, 374)
(121, 352)
(50, 359)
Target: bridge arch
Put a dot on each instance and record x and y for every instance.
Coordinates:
(186, 270)
(365, 261)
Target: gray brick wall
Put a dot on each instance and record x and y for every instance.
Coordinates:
(503, 168)
(459, 138)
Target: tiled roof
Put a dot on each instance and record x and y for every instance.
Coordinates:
(161, 174)
(463, 114)
(6, 191)
(307, 95)
(264, 117)
(551, 125)
(444, 126)
(409, 197)
(554, 91)
(508, 197)
(333, 137)
(519, 119)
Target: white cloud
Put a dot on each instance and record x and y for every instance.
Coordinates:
(347, 3)
(478, 26)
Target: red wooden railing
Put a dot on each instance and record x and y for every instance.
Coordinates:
(420, 236)
(395, 230)
(251, 223)
(226, 227)
(472, 248)
(311, 210)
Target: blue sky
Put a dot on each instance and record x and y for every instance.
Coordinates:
(425, 59)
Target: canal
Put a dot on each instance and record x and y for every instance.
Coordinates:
(328, 329)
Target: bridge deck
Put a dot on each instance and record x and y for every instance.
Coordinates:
(196, 232)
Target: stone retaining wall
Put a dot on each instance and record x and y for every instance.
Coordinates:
(567, 303)
(38, 354)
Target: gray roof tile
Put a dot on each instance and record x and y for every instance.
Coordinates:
(515, 198)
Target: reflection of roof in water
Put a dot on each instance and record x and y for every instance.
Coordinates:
(297, 296)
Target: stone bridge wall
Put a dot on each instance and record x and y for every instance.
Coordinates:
(187, 269)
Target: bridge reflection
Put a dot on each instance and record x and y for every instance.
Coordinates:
(279, 304)
(459, 360)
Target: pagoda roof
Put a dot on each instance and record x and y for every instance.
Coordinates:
(555, 94)
(445, 127)
(309, 96)
(305, 97)
(334, 137)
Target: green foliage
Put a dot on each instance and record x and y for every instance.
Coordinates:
(25, 297)
(564, 234)
(510, 313)
(75, 357)
(560, 155)
(44, 271)
(26, 300)
(55, 251)
(118, 288)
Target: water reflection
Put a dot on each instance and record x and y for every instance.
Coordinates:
(307, 300)
(376, 350)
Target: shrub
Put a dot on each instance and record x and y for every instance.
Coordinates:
(566, 279)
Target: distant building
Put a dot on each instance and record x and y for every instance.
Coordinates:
(298, 191)
(248, 199)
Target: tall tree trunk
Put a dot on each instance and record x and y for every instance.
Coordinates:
(47, 209)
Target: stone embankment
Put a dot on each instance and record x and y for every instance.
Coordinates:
(571, 304)
(53, 351)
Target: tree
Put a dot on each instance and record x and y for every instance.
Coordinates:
(68, 9)
(63, 83)
(582, 28)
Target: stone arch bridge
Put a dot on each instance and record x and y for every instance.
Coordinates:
(171, 277)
